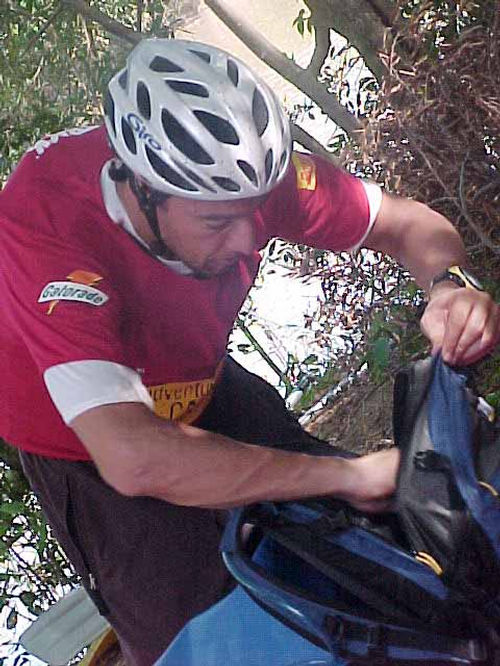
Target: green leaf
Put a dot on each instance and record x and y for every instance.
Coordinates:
(28, 598)
(377, 356)
(12, 508)
(299, 23)
(312, 358)
(381, 350)
(42, 533)
(494, 399)
(11, 619)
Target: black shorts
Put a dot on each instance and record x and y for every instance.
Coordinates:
(149, 565)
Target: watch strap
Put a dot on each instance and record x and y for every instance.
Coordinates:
(459, 276)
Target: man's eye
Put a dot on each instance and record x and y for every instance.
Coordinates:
(219, 225)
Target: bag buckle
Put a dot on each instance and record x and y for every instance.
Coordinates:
(431, 461)
(335, 626)
(377, 645)
(376, 642)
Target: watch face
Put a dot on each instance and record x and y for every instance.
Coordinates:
(473, 280)
(460, 276)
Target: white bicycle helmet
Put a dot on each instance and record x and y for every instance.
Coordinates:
(195, 122)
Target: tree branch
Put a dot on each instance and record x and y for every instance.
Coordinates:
(465, 214)
(258, 347)
(386, 10)
(299, 77)
(309, 143)
(43, 28)
(114, 27)
(321, 49)
(140, 9)
(359, 23)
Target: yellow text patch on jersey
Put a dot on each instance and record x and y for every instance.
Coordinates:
(181, 401)
(79, 286)
(305, 170)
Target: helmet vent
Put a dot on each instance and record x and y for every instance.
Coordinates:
(143, 100)
(167, 173)
(269, 163)
(232, 72)
(193, 176)
(260, 112)
(283, 159)
(109, 110)
(123, 79)
(226, 184)
(248, 170)
(218, 127)
(128, 137)
(182, 140)
(188, 88)
(164, 65)
(201, 54)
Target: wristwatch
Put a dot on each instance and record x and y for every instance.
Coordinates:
(460, 276)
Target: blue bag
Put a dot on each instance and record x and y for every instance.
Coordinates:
(419, 586)
(238, 632)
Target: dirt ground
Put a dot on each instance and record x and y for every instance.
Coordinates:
(359, 420)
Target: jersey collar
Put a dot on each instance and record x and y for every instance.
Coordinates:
(116, 211)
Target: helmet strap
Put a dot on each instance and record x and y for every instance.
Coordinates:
(148, 201)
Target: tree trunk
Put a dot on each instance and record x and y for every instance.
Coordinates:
(361, 22)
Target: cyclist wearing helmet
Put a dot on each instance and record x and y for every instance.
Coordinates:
(123, 269)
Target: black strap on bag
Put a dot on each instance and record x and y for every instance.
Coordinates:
(422, 581)
(435, 515)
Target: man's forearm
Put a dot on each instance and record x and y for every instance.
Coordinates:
(140, 454)
(423, 241)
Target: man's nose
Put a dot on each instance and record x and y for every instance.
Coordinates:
(242, 237)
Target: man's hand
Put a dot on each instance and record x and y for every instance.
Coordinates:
(463, 324)
(369, 482)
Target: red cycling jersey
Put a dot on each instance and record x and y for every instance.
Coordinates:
(76, 286)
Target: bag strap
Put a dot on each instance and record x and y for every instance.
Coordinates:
(346, 634)
(346, 569)
(378, 638)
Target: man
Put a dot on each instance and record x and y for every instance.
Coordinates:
(123, 270)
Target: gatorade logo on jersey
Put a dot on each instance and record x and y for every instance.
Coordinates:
(305, 170)
(79, 287)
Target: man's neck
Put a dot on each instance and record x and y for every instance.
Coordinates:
(136, 216)
(140, 223)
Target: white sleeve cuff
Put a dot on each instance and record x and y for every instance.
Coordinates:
(374, 195)
(78, 386)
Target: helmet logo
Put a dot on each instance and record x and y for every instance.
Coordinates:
(140, 129)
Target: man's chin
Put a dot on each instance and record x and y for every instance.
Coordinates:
(213, 271)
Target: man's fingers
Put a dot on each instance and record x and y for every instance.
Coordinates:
(456, 323)
(469, 324)
(464, 325)
(486, 343)
(468, 336)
